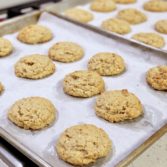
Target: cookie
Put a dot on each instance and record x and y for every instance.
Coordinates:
(106, 64)
(83, 84)
(32, 113)
(156, 6)
(1, 88)
(66, 52)
(103, 5)
(80, 15)
(5, 47)
(118, 105)
(157, 77)
(34, 67)
(82, 145)
(125, 1)
(151, 39)
(116, 25)
(132, 16)
(161, 26)
(35, 34)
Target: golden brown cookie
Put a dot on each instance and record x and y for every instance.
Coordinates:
(107, 64)
(157, 77)
(152, 39)
(132, 16)
(81, 145)
(1, 88)
(161, 26)
(118, 105)
(34, 34)
(5, 47)
(34, 67)
(83, 84)
(125, 1)
(116, 25)
(66, 52)
(156, 6)
(32, 113)
(103, 5)
(80, 15)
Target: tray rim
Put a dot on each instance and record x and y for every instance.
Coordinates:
(36, 158)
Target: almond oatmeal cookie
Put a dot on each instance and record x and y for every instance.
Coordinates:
(157, 77)
(118, 105)
(106, 64)
(83, 144)
(83, 84)
(34, 67)
(32, 113)
(5, 47)
(66, 52)
(35, 34)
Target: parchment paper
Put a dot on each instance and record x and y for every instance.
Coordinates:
(71, 111)
(147, 26)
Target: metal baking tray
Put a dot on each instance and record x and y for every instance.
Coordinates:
(66, 4)
(14, 25)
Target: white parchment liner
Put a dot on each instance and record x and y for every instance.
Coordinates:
(71, 111)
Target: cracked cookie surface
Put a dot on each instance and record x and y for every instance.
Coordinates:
(118, 105)
(103, 5)
(32, 113)
(1, 88)
(66, 52)
(156, 6)
(116, 25)
(83, 144)
(80, 15)
(106, 64)
(161, 26)
(35, 34)
(157, 77)
(152, 39)
(132, 16)
(34, 67)
(83, 84)
(5, 47)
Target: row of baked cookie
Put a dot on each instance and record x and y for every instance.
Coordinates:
(38, 66)
(32, 34)
(150, 38)
(131, 15)
(109, 6)
(86, 83)
(121, 25)
(105, 63)
(125, 17)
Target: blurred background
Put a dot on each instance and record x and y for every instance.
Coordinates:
(12, 8)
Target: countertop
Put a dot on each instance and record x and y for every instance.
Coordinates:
(154, 156)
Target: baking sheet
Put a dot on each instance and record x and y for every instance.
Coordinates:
(147, 26)
(71, 111)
